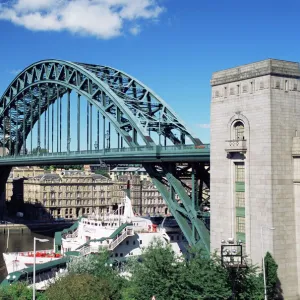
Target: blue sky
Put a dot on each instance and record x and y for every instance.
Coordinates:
(172, 46)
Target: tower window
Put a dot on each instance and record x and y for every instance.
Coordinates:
(240, 224)
(240, 199)
(239, 172)
(239, 130)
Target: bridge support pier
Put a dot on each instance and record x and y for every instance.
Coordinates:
(182, 200)
(4, 173)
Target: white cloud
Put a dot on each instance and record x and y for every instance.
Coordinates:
(101, 18)
(205, 125)
(135, 30)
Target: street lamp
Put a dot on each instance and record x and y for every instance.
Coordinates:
(34, 261)
(263, 257)
(232, 258)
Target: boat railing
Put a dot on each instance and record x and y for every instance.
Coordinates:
(72, 235)
(128, 231)
(91, 249)
(30, 253)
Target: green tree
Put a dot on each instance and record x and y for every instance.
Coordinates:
(103, 173)
(247, 283)
(37, 150)
(80, 287)
(18, 291)
(160, 273)
(272, 281)
(205, 278)
(99, 266)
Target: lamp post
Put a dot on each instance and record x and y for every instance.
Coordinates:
(232, 258)
(263, 257)
(34, 261)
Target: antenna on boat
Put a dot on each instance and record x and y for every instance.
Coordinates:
(7, 240)
(128, 189)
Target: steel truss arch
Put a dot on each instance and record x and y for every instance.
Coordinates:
(50, 74)
(127, 113)
(153, 112)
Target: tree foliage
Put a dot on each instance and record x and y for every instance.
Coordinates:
(272, 281)
(159, 274)
(103, 173)
(39, 150)
(80, 287)
(19, 291)
(99, 268)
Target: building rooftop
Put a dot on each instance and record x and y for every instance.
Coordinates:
(274, 67)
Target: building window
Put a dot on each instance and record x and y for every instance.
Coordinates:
(240, 222)
(239, 130)
(239, 172)
(240, 199)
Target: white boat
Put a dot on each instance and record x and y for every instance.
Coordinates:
(122, 233)
(15, 261)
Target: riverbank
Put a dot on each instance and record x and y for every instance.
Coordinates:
(36, 226)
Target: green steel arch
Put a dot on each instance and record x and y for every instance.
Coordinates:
(133, 109)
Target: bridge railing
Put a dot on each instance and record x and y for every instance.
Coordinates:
(112, 151)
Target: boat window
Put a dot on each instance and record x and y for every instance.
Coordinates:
(88, 223)
(127, 242)
(116, 255)
(121, 254)
(177, 237)
(183, 237)
(172, 238)
(141, 242)
(133, 242)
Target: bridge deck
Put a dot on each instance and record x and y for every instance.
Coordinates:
(139, 155)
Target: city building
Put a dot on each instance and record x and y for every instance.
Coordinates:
(129, 171)
(19, 172)
(69, 194)
(152, 201)
(255, 164)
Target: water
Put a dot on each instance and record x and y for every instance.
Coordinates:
(19, 241)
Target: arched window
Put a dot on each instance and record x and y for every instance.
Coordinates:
(239, 131)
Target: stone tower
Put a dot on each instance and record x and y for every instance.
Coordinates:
(255, 163)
